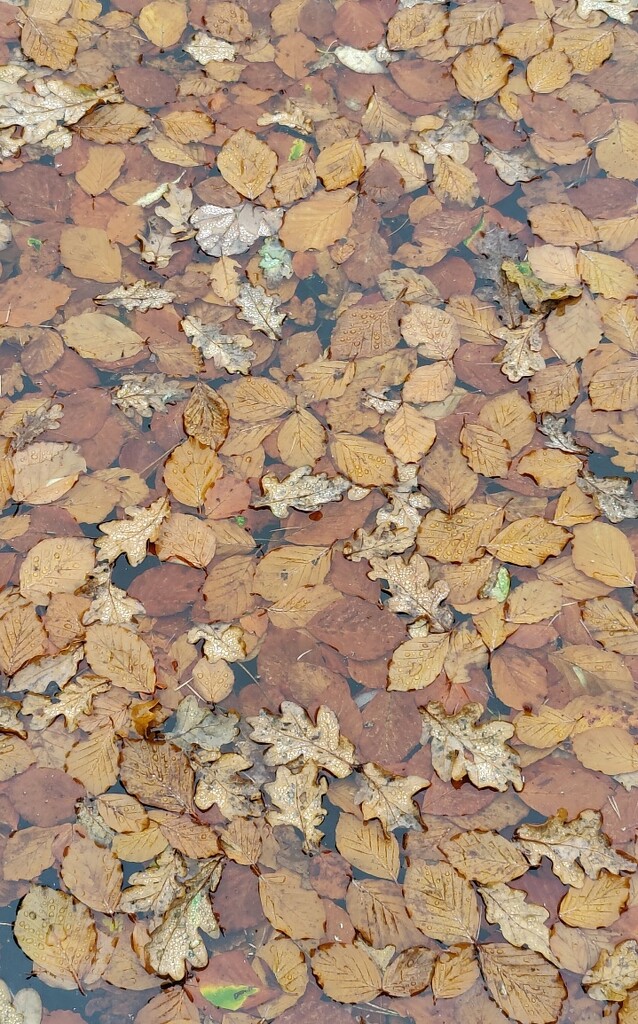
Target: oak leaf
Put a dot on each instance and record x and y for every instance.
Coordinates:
(460, 747)
(223, 231)
(260, 310)
(296, 799)
(220, 782)
(292, 736)
(389, 798)
(578, 849)
(131, 537)
(614, 973)
(522, 983)
(301, 489)
(228, 352)
(155, 888)
(177, 942)
(522, 923)
(409, 584)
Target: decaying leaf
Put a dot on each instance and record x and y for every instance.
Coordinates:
(301, 489)
(292, 736)
(578, 849)
(140, 395)
(296, 799)
(177, 942)
(130, 537)
(224, 232)
(462, 747)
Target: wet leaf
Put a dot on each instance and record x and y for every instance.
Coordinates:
(462, 747)
(293, 736)
(58, 934)
(578, 849)
(522, 983)
(177, 941)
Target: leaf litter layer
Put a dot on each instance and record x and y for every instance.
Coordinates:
(318, 418)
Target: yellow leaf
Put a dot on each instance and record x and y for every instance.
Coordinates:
(59, 935)
(417, 663)
(603, 552)
(48, 44)
(94, 761)
(247, 163)
(441, 903)
(122, 656)
(340, 164)
(455, 971)
(597, 904)
(430, 383)
(546, 729)
(367, 846)
(486, 857)
(22, 638)
(461, 536)
(608, 749)
(366, 463)
(607, 275)
(347, 973)
(163, 22)
(301, 440)
(97, 336)
(548, 71)
(481, 71)
(291, 907)
(615, 386)
(282, 571)
(487, 451)
(434, 331)
(45, 471)
(101, 170)
(409, 434)
(454, 181)
(617, 153)
(561, 224)
(93, 874)
(549, 467)
(522, 982)
(88, 253)
(190, 471)
(56, 566)
(528, 541)
(319, 221)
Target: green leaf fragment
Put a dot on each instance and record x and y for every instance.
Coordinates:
(227, 997)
